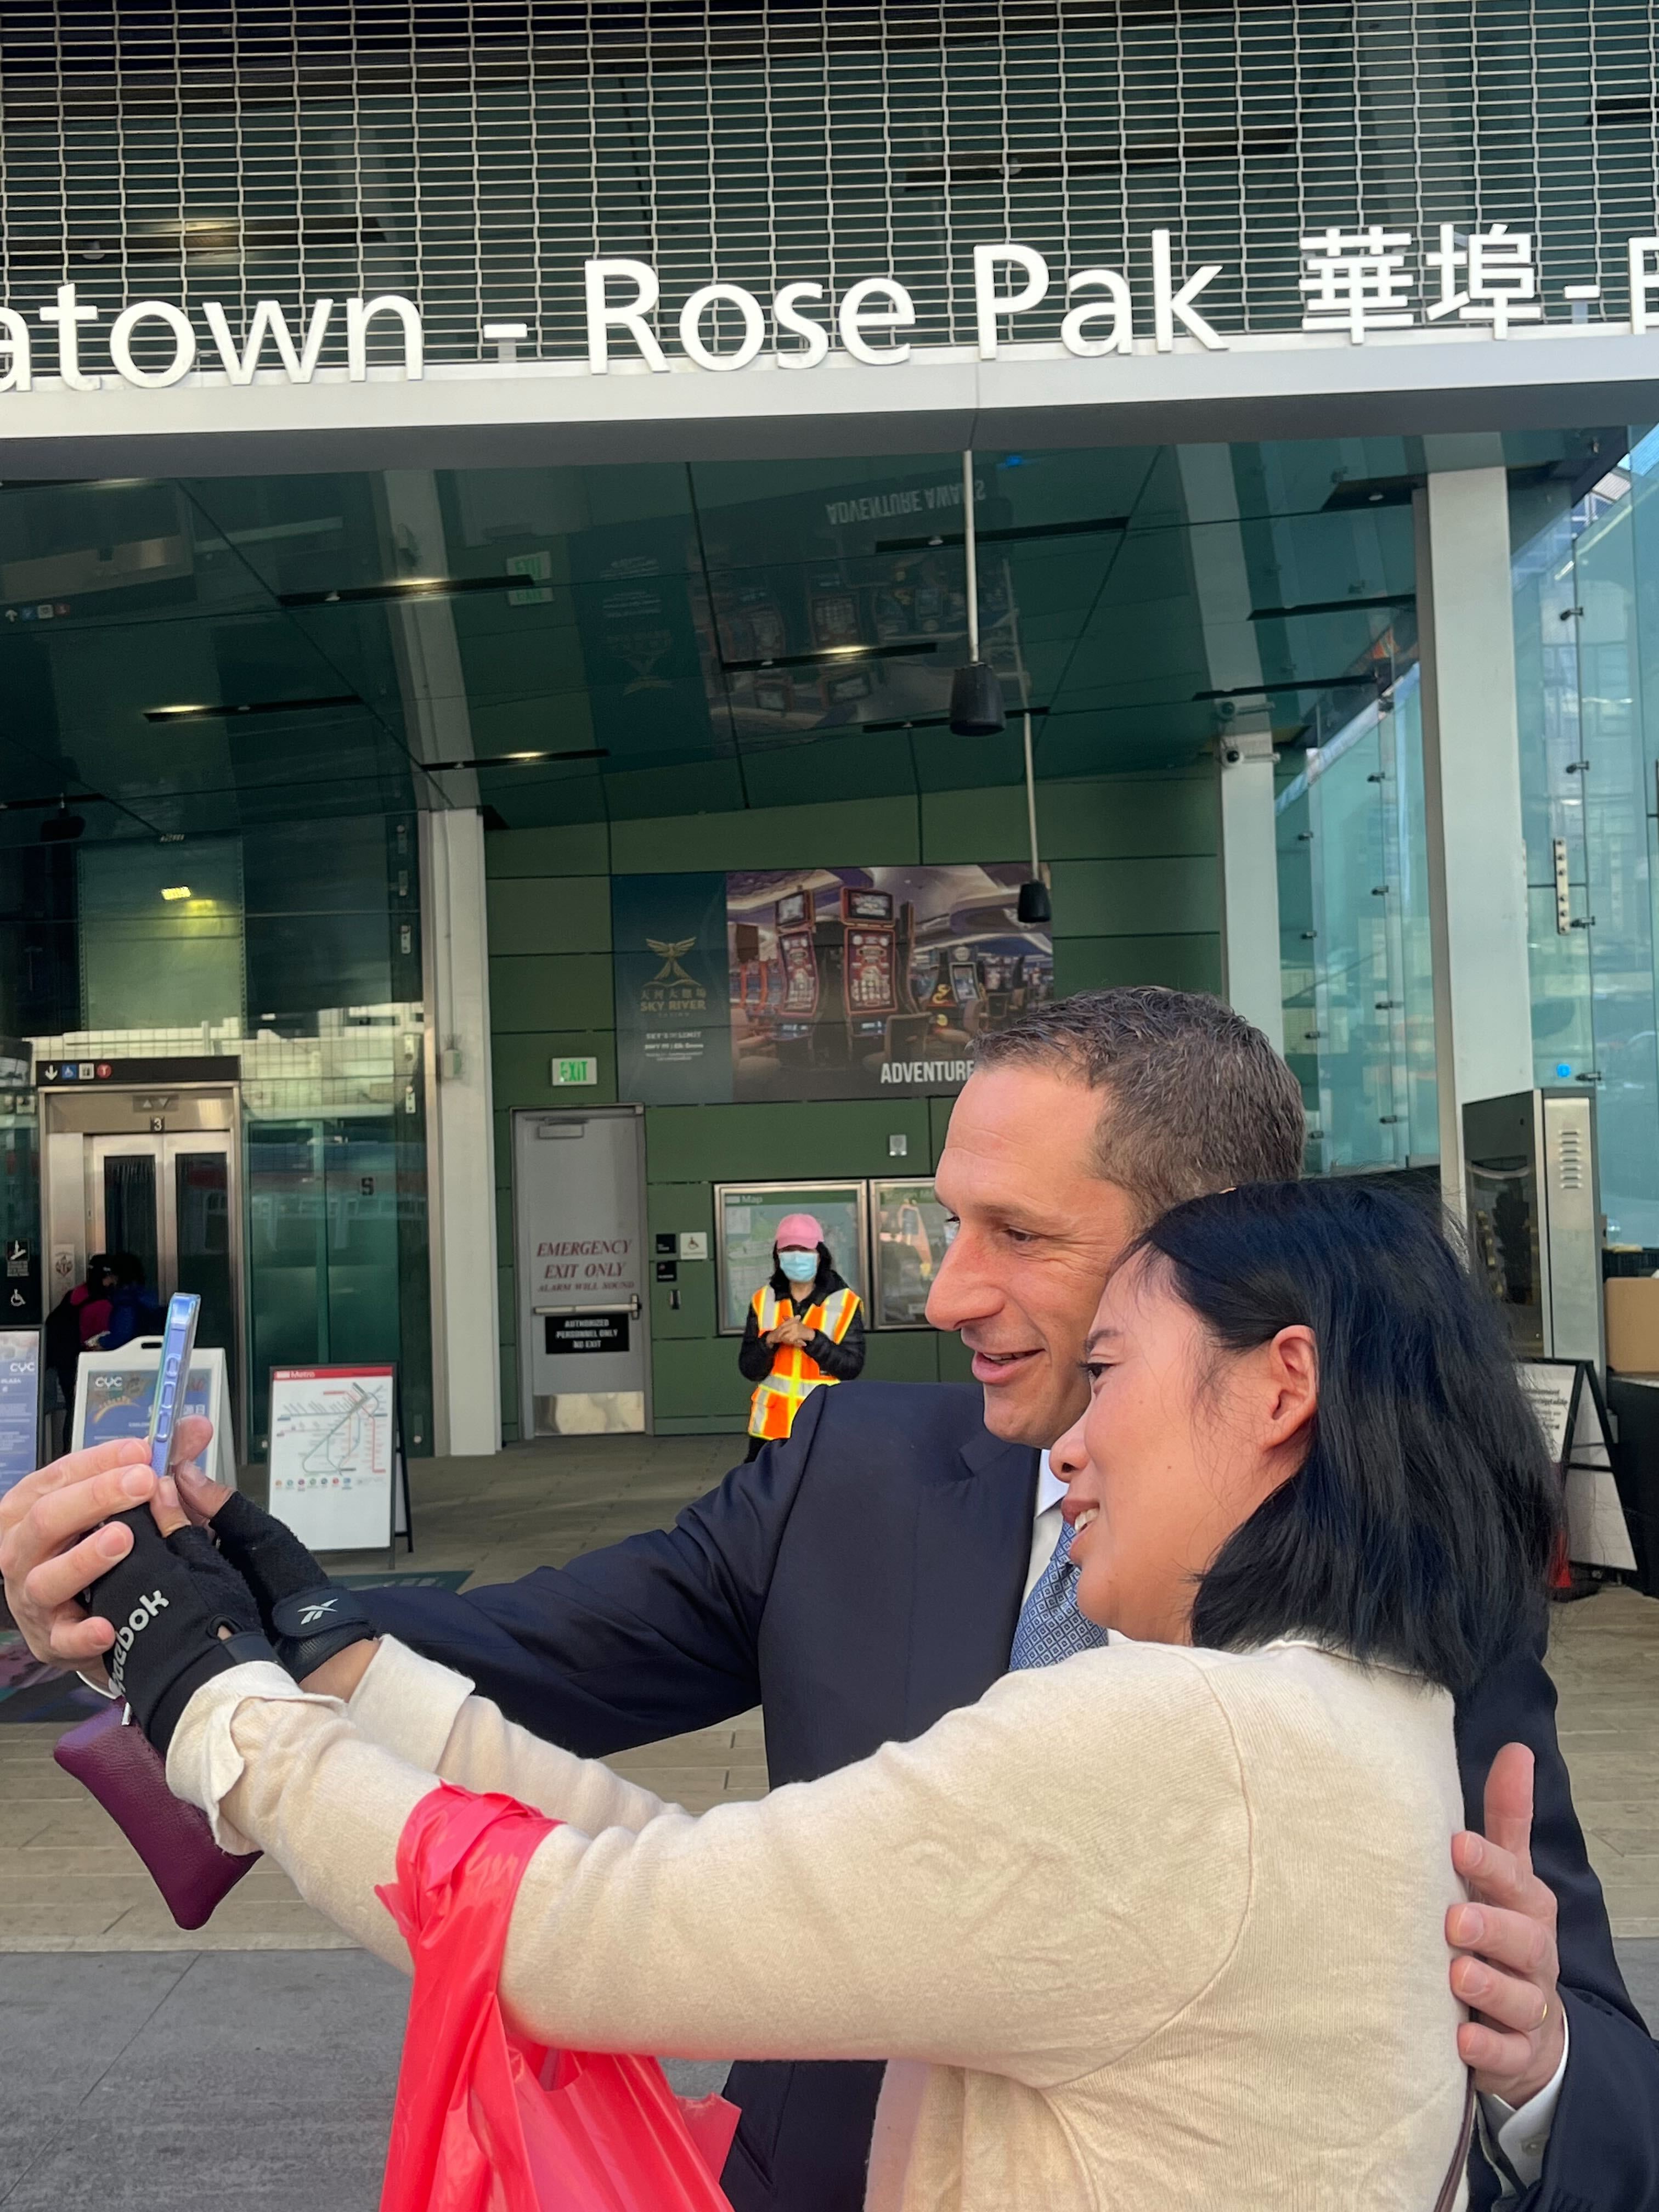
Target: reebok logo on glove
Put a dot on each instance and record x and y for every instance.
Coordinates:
(311, 1614)
(138, 1620)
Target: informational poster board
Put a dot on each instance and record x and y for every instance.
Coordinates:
(1551, 1391)
(912, 1230)
(746, 1217)
(20, 1404)
(1566, 1397)
(339, 1478)
(114, 1390)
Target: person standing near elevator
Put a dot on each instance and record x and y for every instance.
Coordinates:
(805, 1327)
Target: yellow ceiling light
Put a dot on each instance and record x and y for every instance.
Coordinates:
(177, 891)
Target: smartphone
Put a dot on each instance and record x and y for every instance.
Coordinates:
(173, 1375)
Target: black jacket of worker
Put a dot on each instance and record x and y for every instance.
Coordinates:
(859, 1580)
(845, 1360)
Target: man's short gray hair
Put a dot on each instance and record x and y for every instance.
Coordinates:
(1196, 1098)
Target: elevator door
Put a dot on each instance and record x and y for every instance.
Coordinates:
(166, 1200)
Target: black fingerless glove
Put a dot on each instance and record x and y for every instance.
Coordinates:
(308, 1618)
(168, 1601)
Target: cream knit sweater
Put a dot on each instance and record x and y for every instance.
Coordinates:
(1161, 1927)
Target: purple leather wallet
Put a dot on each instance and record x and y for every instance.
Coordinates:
(174, 1839)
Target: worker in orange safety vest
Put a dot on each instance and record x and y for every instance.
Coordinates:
(805, 1327)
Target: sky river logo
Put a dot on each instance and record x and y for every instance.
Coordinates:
(672, 994)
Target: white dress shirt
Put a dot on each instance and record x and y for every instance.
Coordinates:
(1520, 2137)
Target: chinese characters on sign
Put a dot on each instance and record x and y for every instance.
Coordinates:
(1359, 281)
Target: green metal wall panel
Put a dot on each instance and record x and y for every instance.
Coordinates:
(580, 848)
(698, 1376)
(1103, 964)
(550, 913)
(769, 1143)
(550, 990)
(865, 832)
(1160, 895)
(522, 1068)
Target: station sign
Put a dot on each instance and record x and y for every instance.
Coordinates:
(62, 1073)
(1355, 281)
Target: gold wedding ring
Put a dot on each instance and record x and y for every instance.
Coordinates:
(1544, 2015)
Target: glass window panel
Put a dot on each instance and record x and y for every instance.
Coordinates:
(1585, 572)
(912, 1231)
(288, 1312)
(201, 1197)
(129, 1209)
(161, 934)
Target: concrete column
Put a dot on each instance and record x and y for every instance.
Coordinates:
(1472, 785)
(460, 1143)
(1249, 885)
(1244, 750)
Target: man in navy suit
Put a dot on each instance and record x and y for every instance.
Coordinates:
(877, 1567)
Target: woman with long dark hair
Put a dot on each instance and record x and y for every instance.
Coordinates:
(1157, 1927)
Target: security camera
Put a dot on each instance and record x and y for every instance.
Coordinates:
(1232, 756)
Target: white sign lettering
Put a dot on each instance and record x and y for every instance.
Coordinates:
(267, 321)
(1353, 281)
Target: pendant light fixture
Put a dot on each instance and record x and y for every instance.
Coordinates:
(977, 689)
(62, 827)
(1034, 901)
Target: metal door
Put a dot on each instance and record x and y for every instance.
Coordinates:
(155, 1171)
(584, 1335)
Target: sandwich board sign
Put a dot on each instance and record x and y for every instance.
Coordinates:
(115, 1390)
(339, 1478)
(20, 1404)
(1565, 1395)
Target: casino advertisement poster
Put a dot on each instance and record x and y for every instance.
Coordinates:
(837, 983)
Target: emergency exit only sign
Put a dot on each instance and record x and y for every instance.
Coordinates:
(574, 1071)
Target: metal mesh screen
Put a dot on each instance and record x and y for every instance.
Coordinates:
(473, 155)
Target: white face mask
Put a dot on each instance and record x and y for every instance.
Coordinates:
(799, 1267)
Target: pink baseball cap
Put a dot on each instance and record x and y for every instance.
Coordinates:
(800, 1229)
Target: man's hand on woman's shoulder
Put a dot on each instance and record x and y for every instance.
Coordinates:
(1507, 1966)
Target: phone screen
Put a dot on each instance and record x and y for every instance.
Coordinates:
(172, 1374)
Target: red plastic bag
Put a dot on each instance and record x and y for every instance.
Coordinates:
(486, 2122)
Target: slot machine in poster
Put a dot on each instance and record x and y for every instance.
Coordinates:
(857, 982)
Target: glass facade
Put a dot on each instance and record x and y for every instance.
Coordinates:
(323, 919)
(1354, 925)
(1586, 576)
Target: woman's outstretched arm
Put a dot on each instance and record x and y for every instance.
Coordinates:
(1038, 1883)
(426, 1716)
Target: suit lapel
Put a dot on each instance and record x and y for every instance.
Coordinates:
(973, 1547)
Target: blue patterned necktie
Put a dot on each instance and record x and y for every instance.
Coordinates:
(1050, 1627)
